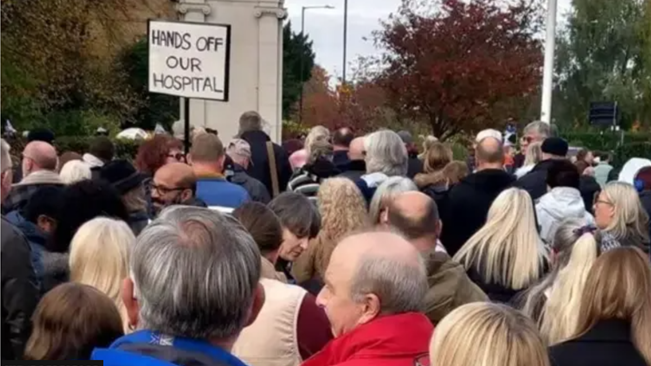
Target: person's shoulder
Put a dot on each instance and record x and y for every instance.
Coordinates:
(11, 235)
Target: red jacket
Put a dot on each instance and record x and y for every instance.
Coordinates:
(393, 340)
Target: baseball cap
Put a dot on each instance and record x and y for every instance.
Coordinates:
(240, 148)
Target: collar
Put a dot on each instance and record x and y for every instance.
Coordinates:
(92, 160)
(401, 335)
(185, 344)
(206, 174)
(267, 270)
(40, 177)
(608, 331)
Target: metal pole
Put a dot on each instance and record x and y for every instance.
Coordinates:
(186, 117)
(548, 71)
(343, 72)
(300, 103)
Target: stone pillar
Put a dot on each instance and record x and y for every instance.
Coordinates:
(255, 63)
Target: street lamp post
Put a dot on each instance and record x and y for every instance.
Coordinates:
(302, 63)
(548, 70)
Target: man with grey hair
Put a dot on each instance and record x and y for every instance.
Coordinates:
(373, 297)
(19, 289)
(386, 156)
(274, 173)
(536, 131)
(193, 287)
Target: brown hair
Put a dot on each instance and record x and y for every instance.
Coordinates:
(206, 148)
(455, 171)
(152, 154)
(581, 166)
(70, 321)
(619, 287)
(437, 157)
(262, 224)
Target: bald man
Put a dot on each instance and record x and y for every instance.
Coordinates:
(416, 216)
(374, 290)
(468, 202)
(356, 166)
(174, 184)
(39, 170)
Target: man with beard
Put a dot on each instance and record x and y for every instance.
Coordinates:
(174, 184)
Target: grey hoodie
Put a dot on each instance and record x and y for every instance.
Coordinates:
(559, 204)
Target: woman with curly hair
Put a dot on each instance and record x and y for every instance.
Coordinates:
(158, 151)
(343, 210)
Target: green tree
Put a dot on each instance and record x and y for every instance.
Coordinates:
(601, 58)
(153, 108)
(296, 47)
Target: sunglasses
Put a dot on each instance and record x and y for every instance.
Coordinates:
(178, 157)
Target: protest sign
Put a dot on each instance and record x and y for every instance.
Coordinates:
(189, 60)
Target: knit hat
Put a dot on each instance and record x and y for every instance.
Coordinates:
(555, 146)
(489, 133)
(406, 137)
(121, 175)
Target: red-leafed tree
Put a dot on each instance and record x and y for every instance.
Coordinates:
(360, 104)
(464, 66)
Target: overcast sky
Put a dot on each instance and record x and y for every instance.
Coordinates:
(325, 27)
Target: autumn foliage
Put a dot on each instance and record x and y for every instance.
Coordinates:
(456, 67)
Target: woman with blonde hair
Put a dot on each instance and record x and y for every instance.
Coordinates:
(614, 325)
(620, 215)
(301, 157)
(506, 255)
(532, 157)
(554, 302)
(99, 257)
(385, 193)
(487, 334)
(343, 211)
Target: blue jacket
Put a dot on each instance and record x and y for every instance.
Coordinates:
(218, 192)
(145, 348)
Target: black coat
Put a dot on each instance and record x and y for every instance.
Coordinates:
(467, 205)
(19, 291)
(607, 344)
(645, 197)
(353, 170)
(495, 292)
(589, 187)
(259, 169)
(414, 166)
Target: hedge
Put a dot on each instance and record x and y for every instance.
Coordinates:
(607, 141)
(124, 149)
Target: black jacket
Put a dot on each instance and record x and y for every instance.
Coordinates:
(259, 169)
(19, 291)
(467, 205)
(414, 166)
(607, 344)
(353, 170)
(138, 221)
(535, 182)
(257, 191)
(340, 158)
(589, 187)
(494, 291)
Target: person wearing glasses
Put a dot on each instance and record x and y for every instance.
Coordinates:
(536, 131)
(174, 184)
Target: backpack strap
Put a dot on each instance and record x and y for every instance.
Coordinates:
(273, 171)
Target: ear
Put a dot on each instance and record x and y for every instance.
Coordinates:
(371, 308)
(439, 228)
(186, 195)
(221, 160)
(258, 302)
(130, 301)
(45, 223)
(188, 159)
(384, 217)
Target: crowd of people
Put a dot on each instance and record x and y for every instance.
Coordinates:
(336, 250)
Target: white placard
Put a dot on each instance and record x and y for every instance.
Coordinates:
(189, 60)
